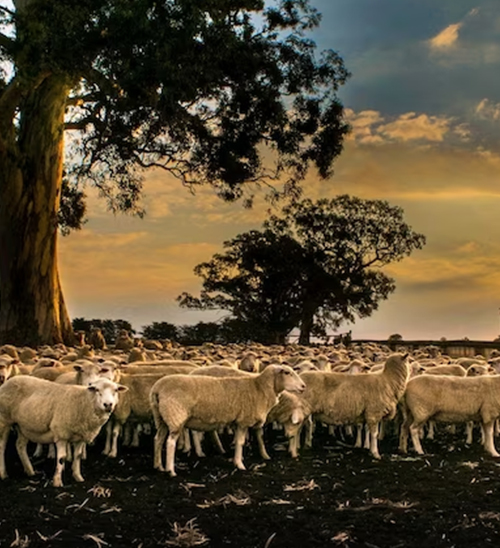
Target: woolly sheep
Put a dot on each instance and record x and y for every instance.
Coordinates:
(46, 412)
(8, 368)
(450, 399)
(96, 339)
(337, 398)
(453, 369)
(205, 403)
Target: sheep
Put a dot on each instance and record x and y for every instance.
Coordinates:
(8, 368)
(249, 362)
(450, 399)
(136, 355)
(451, 369)
(205, 403)
(291, 411)
(10, 350)
(135, 402)
(83, 373)
(124, 341)
(337, 398)
(96, 339)
(47, 412)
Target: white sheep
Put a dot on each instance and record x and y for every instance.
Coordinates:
(206, 403)
(47, 412)
(338, 398)
(450, 399)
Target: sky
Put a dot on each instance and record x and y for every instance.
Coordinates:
(424, 104)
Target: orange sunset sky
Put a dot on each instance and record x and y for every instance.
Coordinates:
(424, 104)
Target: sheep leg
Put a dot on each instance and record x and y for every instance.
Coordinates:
(4, 435)
(430, 433)
(22, 451)
(373, 432)
(197, 437)
(489, 444)
(135, 437)
(469, 427)
(367, 437)
(259, 434)
(171, 444)
(51, 454)
(61, 446)
(359, 436)
(126, 435)
(185, 438)
(77, 459)
(415, 438)
(160, 436)
(218, 443)
(348, 430)
(239, 440)
(38, 451)
(107, 445)
(309, 433)
(403, 435)
(115, 432)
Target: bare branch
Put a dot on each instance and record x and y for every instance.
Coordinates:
(6, 43)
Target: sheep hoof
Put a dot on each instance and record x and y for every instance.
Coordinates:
(240, 466)
(78, 478)
(112, 455)
(172, 473)
(57, 482)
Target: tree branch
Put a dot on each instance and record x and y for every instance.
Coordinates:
(6, 43)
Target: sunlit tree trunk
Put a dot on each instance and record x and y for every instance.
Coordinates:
(32, 308)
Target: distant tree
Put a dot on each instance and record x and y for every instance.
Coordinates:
(395, 337)
(258, 279)
(315, 266)
(228, 93)
(161, 330)
(200, 333)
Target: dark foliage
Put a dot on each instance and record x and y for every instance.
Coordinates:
(109, 328)
(314, 267)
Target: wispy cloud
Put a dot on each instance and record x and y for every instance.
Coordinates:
(370, 127)
(487, 110)
(447, 38)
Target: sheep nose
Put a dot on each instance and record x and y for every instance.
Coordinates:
(108, 406)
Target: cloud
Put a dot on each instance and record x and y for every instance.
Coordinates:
(369, 127)
(447, 38)
(410, 127)
(487, 110)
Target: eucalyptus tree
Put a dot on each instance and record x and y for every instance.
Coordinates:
(229, 93)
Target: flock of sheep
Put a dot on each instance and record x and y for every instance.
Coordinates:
(62, 397)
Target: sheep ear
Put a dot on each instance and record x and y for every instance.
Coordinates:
(104, 370)
(121, 388)
(78, 368)
(92, 388)
(404, 356)
(101, 360)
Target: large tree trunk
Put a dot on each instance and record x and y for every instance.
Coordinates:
(307, 322)
(32, 308)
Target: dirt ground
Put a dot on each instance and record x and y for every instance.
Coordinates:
(333, 495)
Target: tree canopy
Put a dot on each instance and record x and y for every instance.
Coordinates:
(230, 93)
(315, 266)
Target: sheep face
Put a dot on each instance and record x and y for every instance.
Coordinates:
(287, 379)
(5, 371)
(87, 373)
(105, 393)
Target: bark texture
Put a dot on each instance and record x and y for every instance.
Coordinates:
(32, 308)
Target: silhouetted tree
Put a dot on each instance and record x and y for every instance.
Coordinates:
(222, 92)
(161, 330)
(315, 266)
